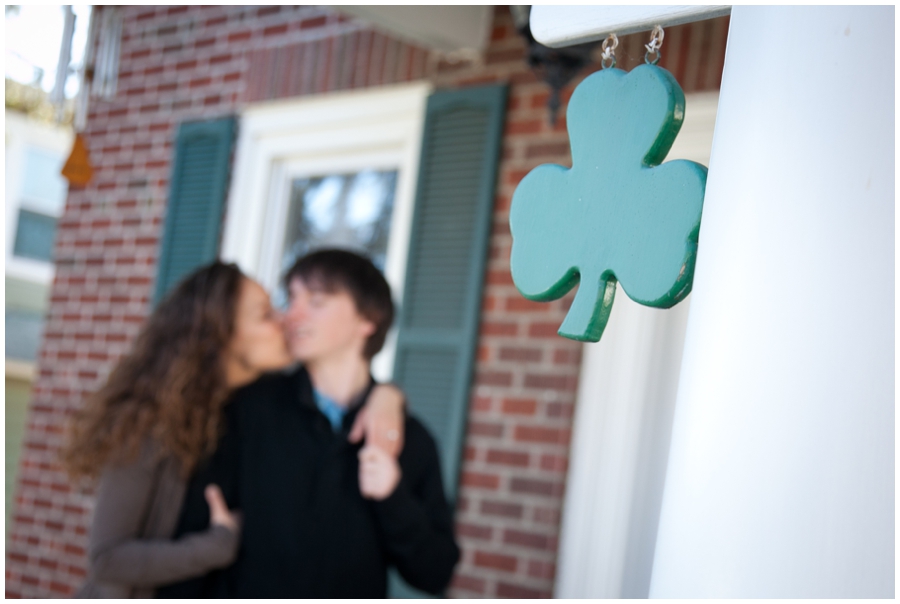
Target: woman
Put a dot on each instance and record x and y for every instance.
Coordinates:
(158, 417)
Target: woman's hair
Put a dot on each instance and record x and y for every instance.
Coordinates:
(171, 387)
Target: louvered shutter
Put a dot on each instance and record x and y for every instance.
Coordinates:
(438, 320)
(197, 190)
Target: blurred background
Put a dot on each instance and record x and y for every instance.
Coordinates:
(39, 135)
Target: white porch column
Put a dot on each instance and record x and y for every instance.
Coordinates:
(781, 470)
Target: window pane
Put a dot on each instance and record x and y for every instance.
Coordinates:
(34, 236)
(43, 187)
(351, 211)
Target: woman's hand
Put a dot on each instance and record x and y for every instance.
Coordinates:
(379, 473)
(219, 514)
(380, 420)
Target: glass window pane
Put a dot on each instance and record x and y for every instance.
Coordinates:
(34, 236)
(351, 211)
(43, 187)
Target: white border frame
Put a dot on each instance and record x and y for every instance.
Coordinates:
(339, 132)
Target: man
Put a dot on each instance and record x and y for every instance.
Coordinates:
(322, 517)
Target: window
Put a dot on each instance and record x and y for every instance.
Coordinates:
(333, 170)
(34, 235)
(351, 211)
(41, 200)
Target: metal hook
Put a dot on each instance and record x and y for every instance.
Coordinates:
(653, 48)
(608, 58)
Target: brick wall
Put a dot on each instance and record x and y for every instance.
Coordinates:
(183, 63)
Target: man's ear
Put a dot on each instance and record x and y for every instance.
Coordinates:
(367, 327)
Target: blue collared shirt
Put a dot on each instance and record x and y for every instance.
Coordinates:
(334, 412)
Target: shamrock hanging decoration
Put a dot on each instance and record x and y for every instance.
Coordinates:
(617, 214)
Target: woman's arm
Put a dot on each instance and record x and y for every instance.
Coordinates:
(119, 556)
(381, 419)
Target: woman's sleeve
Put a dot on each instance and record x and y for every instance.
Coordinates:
(118, 556)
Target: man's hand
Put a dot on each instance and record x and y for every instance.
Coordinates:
(380, 420)
(219, 514)
(379, 473)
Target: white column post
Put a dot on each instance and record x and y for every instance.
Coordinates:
(781, 470)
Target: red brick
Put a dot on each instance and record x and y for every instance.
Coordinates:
(275, 30)
(239, 36)
(493, 378)
(312, 23)
(496, 561)
(554, 463)
(529, 540)
(544, 330)
(507, 458)
(542, 435)
(541, 570)
(499, 508)
(197, 83)
(499, 277)
(481, 403)
(508, 590)
(567, 357)
(473, 531)
(220, 59)
(268, 10)
(536, 487)
(519, 406)
(508, 353)
(485, 429)
(515, 127)
(564, 410)
(567, 383)
(47, 564)
(467, 583)
(499, 328)
(519, 304)
(479, 480)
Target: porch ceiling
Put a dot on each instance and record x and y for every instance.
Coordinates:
(445, 28)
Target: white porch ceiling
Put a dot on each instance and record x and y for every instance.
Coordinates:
(446, 28)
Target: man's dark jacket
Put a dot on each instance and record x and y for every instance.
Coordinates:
(307, 530)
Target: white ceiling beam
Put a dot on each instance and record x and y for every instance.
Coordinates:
(558, 26)
(446, 28)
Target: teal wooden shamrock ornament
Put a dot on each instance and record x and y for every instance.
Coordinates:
(617, 214)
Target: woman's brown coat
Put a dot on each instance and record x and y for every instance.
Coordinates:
(131, 549)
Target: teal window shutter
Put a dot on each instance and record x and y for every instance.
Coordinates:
(197, 191)
(439, 317)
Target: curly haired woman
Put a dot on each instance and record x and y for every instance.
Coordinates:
(158, 419)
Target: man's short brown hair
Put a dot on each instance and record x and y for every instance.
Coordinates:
(334, 270)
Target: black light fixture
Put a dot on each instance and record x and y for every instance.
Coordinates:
(554, 66)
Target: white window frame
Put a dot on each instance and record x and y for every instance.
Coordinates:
(336, 133)
(23, 133)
